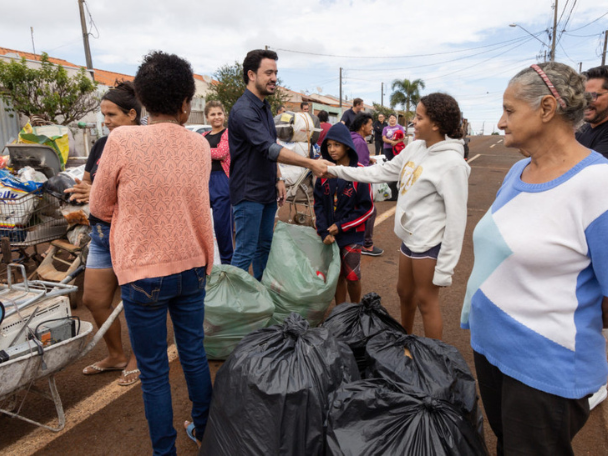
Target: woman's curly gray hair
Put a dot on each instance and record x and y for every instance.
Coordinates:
(569, 84)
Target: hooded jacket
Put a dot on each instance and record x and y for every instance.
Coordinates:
(353, 200)
(432, 200)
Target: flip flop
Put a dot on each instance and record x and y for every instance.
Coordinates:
(94, 369)
(190, 431)
(125, 373)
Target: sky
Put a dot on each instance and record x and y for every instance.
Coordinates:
(465, 48)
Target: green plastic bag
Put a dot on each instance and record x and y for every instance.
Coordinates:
(235, 305)
(301, 274)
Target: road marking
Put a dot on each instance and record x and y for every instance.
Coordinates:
(471, 159)
(39, 437)
(499, 142)
(492, 145)
(385, 215)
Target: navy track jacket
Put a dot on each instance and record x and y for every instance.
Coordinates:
(354, 202)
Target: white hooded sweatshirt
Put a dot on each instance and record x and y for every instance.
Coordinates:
(432, 200)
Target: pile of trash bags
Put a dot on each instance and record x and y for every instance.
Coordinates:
(272, 394)
(301, 274)
(357, 385)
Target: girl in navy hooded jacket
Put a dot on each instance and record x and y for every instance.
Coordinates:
(342, 208)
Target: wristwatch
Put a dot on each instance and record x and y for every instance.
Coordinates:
(280, 179)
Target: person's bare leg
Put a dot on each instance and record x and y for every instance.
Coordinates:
(99, 288)
(405, 290)
(341, 290)
(427, 297)
(354, 290)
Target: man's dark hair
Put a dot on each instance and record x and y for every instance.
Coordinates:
(123, 96)
(253, 60)
(323, 116)
(360, 119)
(600, 72)
(304, 103)
(162, 83)
(357, 102)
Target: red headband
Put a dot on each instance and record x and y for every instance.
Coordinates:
(547, 81)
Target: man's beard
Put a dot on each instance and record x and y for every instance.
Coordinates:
(263, 90)
(598, 116)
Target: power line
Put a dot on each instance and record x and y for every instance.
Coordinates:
(397, 56)
(592, 22)
(525, 38)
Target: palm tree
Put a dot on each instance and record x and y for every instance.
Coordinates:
(406, 93)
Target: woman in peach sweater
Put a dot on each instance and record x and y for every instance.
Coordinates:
(153, 185)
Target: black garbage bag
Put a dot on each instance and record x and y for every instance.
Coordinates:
(428, 366)
(56, 186)
(381, 417)
(354, 324)
(271, 396)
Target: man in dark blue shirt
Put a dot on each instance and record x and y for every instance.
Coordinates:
(350, 114)
(255, 180)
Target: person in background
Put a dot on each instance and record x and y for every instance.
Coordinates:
(362, 127)
(255, 180)
(305, 107)
(349, 114)
(153, 185)
(388, 138)
(219, 185)
(431, 214)
(594, 133)
(120, 107)
(378, 130)
(536, 300)
(325, 125)
(342, 208)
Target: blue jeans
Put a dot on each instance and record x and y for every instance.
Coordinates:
(146, 302)
(219, 195)
(254, 230)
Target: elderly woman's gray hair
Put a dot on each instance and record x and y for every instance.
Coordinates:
(569, 85)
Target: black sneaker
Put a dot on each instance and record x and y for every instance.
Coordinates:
(374, 251)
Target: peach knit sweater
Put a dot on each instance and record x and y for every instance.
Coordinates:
(153, 186)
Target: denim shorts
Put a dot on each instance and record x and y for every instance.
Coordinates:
(99, 249)
(432, 253)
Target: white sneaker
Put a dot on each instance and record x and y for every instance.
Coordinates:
(598, 397)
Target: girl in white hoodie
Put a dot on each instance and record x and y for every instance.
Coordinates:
(432, 180)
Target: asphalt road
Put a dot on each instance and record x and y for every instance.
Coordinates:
(104, 418)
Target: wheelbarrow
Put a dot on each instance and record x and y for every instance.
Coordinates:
(21, 373)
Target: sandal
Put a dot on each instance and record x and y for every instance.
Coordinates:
(94, 369)
(189, 427)
(125, 381)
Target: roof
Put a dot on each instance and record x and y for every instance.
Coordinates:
(104, 77)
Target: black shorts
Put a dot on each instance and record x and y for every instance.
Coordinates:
(431, 253)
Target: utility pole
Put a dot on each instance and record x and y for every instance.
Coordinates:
(604, 53)
(85, 37)
(382, 95)
(340, 89)
(554, 33)
(266, 47)
(33, 45)
(580, 67)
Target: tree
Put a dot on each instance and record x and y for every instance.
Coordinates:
(230, 87)
(47, 91)
(406, 93)
(379, 109)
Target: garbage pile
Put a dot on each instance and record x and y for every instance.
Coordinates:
(357, 385)
(272, 394)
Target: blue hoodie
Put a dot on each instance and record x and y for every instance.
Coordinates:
(353, 203)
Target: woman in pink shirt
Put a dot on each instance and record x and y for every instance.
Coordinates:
(153, 186)
(219, 185)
